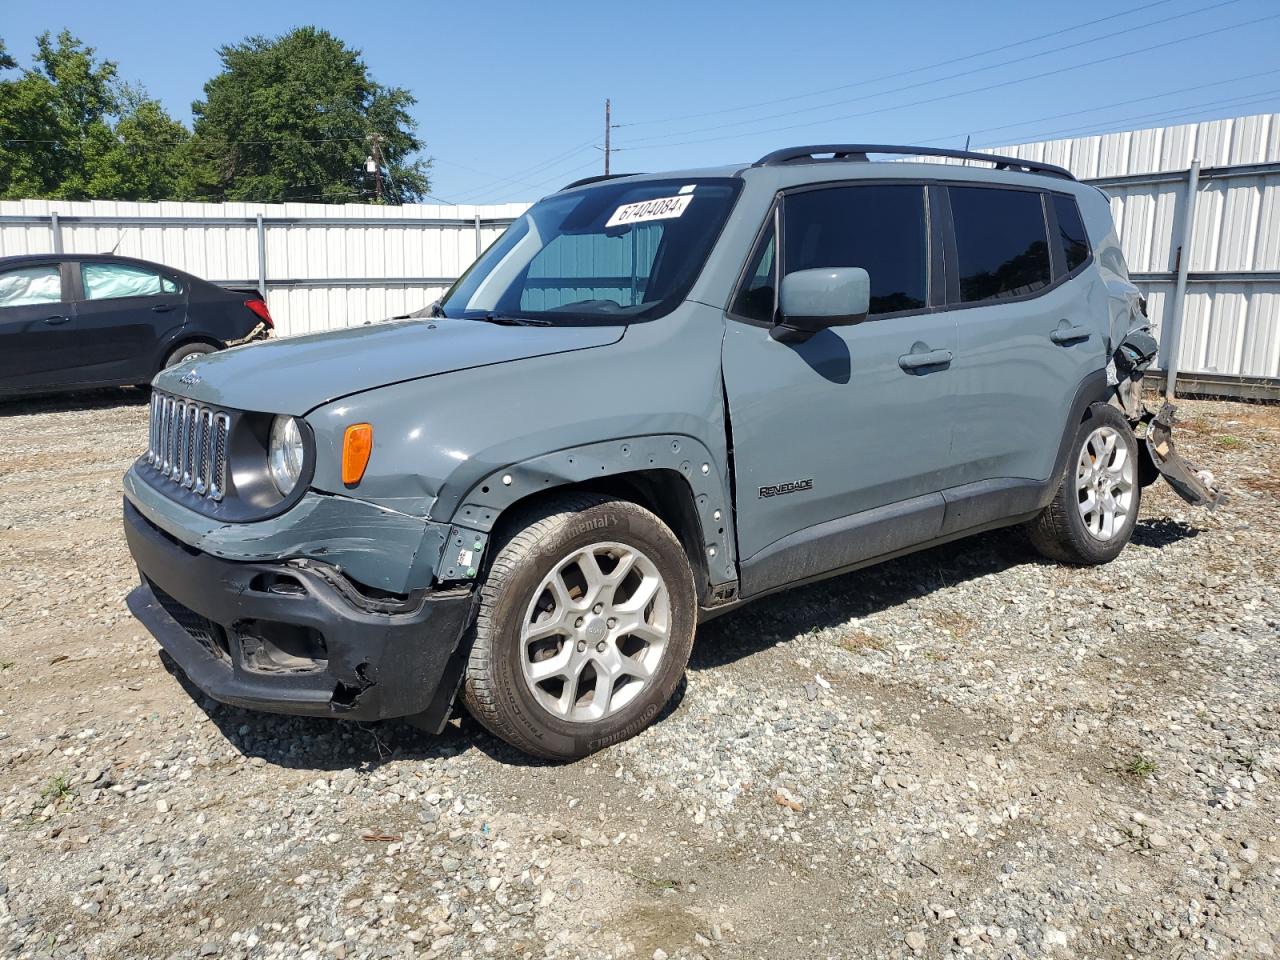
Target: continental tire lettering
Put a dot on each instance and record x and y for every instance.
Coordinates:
(592, 524)
(630, 730)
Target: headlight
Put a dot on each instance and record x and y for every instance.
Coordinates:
(285, 453)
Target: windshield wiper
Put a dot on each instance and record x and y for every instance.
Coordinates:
(509, 321)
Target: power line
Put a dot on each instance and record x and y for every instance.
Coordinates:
(291, 141)
(903, 73)
(1095, 109)
(537, 168)
(936, 80)
(1170, 114)
(961, 93)
(565, 175)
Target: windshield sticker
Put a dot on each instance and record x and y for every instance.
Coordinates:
(663, 208)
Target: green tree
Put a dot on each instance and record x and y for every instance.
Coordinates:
(69, 129)
(144, 157)
(295, 117)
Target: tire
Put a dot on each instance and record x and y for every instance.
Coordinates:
(554, 718)
(1067, 530)
(187, 351)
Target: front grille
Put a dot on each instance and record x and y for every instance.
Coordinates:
(188, 444)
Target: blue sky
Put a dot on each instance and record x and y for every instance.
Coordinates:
(511, 95)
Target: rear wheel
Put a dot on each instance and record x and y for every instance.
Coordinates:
(584, 630)
(187, 351)
(1093, 514)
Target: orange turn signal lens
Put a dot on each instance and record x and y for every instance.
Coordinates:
(357, 444)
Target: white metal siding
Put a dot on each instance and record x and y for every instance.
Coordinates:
(1230, 326)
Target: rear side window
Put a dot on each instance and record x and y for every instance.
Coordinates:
(882, 229)
(109, 281)
(23, 286)
(1071, 233)
(1001, 243)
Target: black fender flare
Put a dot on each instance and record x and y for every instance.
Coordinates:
(484, 503)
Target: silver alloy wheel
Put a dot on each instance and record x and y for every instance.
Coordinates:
(595, 632)
(1105, 482)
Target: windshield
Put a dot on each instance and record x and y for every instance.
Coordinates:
(612, 253)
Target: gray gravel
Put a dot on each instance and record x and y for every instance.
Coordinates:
(968, 752)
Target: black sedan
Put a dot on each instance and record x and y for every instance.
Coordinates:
(73, 321)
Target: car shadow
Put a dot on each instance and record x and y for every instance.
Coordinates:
(87, 400)
(319, 744)
(323, 744)
(830, 603)
(1160, 532)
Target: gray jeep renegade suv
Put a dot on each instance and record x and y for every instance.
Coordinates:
(652, 399)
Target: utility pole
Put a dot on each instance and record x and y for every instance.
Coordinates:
(374, 165)
(608, 125)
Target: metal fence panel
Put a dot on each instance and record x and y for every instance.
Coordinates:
(1232, 310)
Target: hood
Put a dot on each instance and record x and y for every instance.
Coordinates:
(293, 375)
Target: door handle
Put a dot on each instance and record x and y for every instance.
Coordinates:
(162, 308)
(1065, 335)
(56, 319)
(930, 358)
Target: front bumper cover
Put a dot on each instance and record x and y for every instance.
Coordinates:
(296, 637)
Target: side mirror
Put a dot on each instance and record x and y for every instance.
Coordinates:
(812, 300)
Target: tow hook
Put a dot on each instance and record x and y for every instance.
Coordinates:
(1192, 483)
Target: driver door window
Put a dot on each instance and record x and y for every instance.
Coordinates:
(27, 286)
(881, 228)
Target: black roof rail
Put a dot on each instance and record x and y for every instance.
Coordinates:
(596, 179)
(858, 152)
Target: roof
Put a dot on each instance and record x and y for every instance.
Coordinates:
(794, 166)
(34, 257)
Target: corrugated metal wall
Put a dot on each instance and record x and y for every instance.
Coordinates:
(1231, 324)
(335, 266)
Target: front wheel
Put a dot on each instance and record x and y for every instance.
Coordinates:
(1093, 514)
(585, 625)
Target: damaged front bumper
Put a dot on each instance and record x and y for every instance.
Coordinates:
(297, 637)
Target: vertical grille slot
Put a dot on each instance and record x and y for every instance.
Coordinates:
(218, 460)
(188, 444)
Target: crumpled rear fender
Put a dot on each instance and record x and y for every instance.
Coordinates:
(1133, 354)
(1191, 482)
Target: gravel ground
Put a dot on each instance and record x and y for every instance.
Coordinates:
(967, 752)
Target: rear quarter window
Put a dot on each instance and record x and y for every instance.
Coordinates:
(1072, 237)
